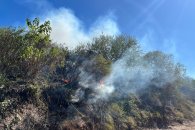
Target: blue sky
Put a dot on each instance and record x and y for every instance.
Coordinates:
(166, 25)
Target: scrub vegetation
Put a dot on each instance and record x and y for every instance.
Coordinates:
(109, 83)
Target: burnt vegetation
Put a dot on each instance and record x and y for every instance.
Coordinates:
(41, 84)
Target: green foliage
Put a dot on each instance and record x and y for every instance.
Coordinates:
(118, 116)
(38, 33)
(2, 79)
(35, 26)
(4, 104)
(101, 66)
(32, 53)
(35, 71)
(24, 53)
(112, 48)
(11, 46)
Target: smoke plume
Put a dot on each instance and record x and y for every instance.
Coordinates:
(132, 73)
(69, 31)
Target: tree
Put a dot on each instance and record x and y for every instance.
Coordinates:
(112, 48)
(165, 69)
(11, 42)
(24, 52)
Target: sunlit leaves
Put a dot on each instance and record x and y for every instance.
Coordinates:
(35, 27)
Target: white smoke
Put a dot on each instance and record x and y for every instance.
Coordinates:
(100, 89)
(69, 31)
(132, 73)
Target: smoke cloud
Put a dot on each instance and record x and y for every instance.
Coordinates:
(132, 73)
(69, 31)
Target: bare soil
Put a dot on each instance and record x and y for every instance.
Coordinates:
(184, 126)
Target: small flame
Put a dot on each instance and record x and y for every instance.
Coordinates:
(66, 81)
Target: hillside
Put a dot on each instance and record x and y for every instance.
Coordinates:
(109, 83)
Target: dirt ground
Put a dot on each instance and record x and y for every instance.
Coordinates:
(185, 126)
